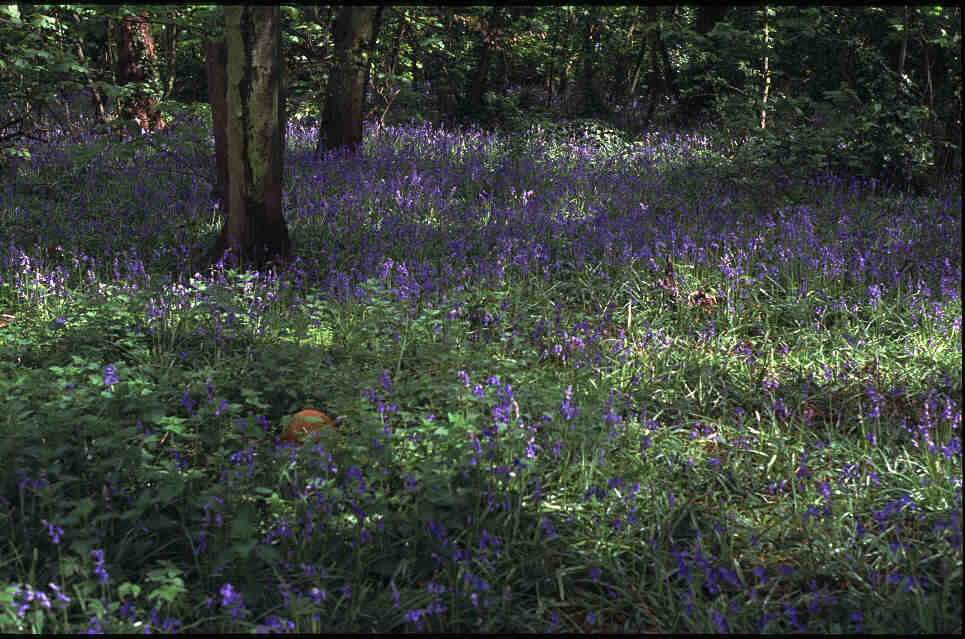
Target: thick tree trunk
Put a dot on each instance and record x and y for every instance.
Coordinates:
(355, 31)
(217, 95)
(480, 79)
(137, 64)
(587, 99)
(255, 230)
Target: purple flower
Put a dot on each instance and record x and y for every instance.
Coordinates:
(54, 531)
(110, 376)
(569, 412)
(98, 556)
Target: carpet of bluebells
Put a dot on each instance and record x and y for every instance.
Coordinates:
(581, 383)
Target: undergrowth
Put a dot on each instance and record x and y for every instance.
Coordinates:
(579, 383)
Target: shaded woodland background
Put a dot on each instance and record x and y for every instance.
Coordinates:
(865, 90)
(625, 319)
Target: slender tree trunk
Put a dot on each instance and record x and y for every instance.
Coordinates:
(255, 228)
(767, 71)
(656, 85)
(551, 72)
(638, 67)
(669, 80)
(171, 32)
(904, 48)
(623, 65)
(370, 62)
(390, 89)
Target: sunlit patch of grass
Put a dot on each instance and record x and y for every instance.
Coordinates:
(563, 399)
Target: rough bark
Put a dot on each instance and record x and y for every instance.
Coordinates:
(766, 73)
(480, 78)
(137, 64)
(587, 99)
(255, 231)
(217, 95)
(354, 34)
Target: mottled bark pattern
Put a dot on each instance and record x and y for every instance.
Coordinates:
(137, 64)
(355, 29)
(255, 230)
(217, 96)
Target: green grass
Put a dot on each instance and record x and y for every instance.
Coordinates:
(555, 442)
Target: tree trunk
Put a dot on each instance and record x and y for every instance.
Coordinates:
(217, 95)
(638, 67)
(708, 16)
(766, 73)
(354, 34)
(588, 101)
(255, 229)
(668, 78)
(480, 79)
(555, 48)
(137, 64)
(171, 32)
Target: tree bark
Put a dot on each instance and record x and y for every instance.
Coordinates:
(708, 16)
(354, 34)
(255, 229)
(171, 32)
(480, 78)
(137, 64)
(669, 80)
(766, 73)
(588, 102)
(216, 68)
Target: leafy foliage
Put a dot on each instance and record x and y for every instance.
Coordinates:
(586, 373)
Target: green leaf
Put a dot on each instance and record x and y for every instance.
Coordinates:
(127, 588)
(10, 12)
(243, 524)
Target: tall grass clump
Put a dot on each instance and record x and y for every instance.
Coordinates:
(579, 383)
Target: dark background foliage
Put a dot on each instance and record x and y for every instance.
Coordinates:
(863, 90)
